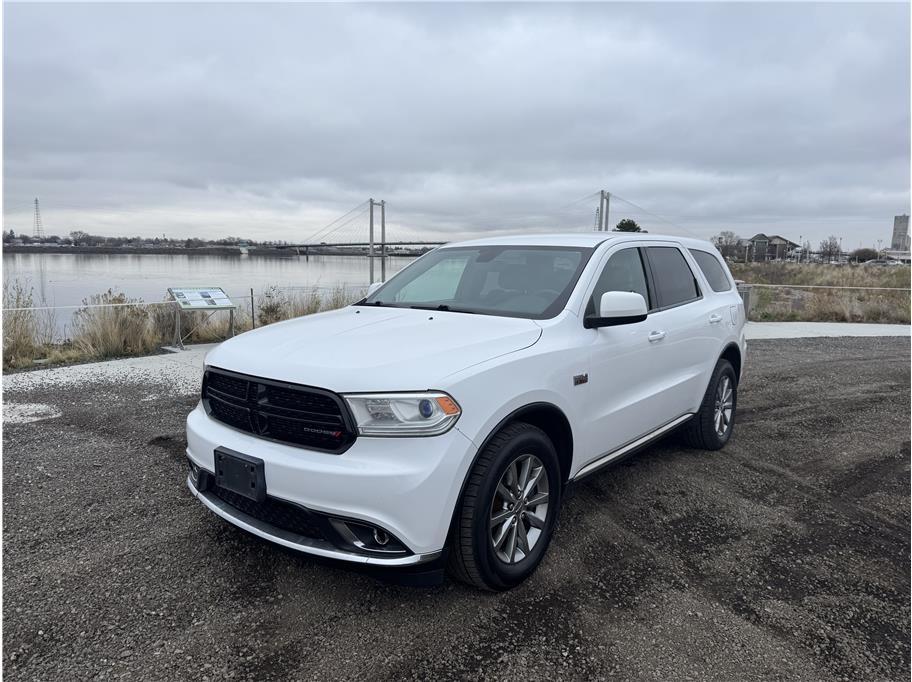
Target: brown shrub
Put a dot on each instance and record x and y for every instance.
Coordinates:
(121, 327)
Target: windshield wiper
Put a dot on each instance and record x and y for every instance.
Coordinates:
(444, 307)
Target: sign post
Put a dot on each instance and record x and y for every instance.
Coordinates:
(200, 299)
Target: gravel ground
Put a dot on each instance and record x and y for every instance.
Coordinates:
(785, 556)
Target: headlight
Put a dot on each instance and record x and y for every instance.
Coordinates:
(403, 414)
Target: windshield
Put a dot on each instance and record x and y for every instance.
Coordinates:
(512, 281)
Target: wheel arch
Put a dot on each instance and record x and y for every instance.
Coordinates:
(732, 353)
(544, 415)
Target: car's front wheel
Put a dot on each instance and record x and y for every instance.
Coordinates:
(508, 509)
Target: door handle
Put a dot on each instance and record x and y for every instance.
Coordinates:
(715, 318)
(655, 336)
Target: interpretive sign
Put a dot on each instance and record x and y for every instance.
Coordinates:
(201, 298)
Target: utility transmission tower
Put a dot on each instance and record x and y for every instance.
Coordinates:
(38, 229)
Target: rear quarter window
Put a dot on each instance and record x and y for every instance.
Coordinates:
(712, 269)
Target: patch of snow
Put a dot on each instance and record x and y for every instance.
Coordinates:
(179, 373)
(23, 413)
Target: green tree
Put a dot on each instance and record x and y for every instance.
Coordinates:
(829, 248)
(728, 243)
(79, 237)
(864, 255)
(627, 225)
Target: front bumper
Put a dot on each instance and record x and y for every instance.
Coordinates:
(301, 543)
(407, 486)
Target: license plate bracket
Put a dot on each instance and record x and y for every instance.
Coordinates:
(240, 473)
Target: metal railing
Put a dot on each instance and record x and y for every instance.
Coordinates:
(248, 301)
(780, 307)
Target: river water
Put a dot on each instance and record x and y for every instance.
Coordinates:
(68, 279)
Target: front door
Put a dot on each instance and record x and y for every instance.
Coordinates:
(626, 379)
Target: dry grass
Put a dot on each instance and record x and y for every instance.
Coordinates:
(25, 332)
(116, 331)
(822, 275)
(126, 327)
(275, 304)
(826, 305)
(829, 305)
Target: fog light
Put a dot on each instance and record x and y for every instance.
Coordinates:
(365, 538)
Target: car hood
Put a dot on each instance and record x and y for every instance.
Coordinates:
(360, 348)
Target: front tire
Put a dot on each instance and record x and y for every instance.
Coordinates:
(712, 426)
(508, 509)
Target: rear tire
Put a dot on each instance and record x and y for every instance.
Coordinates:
(711, 427)
(508, 510)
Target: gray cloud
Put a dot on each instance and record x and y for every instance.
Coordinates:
(269, 120)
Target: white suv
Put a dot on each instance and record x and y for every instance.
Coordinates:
(440, 419)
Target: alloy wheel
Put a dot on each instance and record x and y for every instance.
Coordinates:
(519, 509)
(725, 405)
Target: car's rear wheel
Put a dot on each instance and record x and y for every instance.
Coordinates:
(508, 509)
(711, 427)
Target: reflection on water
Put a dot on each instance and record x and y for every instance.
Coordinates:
(68, 279)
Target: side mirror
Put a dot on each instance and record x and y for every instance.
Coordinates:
(373, 287)
(617, 308)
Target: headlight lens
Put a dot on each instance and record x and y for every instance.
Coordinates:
(403, 414)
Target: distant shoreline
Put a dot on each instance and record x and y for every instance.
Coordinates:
(232, 251)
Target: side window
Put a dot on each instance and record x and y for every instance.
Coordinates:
(712, 269)
(672, 277)
(623, 272)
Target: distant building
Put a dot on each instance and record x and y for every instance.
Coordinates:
(900, 240)
(772, 247)
(901, 256)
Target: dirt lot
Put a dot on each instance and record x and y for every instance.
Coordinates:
(785, 556)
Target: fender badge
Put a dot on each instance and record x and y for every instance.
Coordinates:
(580, 379)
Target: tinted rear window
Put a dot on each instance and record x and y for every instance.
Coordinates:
(674, 280)
(712, 268)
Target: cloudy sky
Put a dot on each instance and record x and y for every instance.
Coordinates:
(268, 121)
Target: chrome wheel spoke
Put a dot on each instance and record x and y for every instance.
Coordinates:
(539, 498)
(511, 543)
(524, 468)
(505, 492)
(504, 531)
(501, 516)
(522, 538)
(534, 521)
(530, 486)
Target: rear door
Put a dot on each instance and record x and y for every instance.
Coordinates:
(725, 309)
(683, 329)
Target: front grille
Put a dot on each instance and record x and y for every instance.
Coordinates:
(287, 413)
(276, 513)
